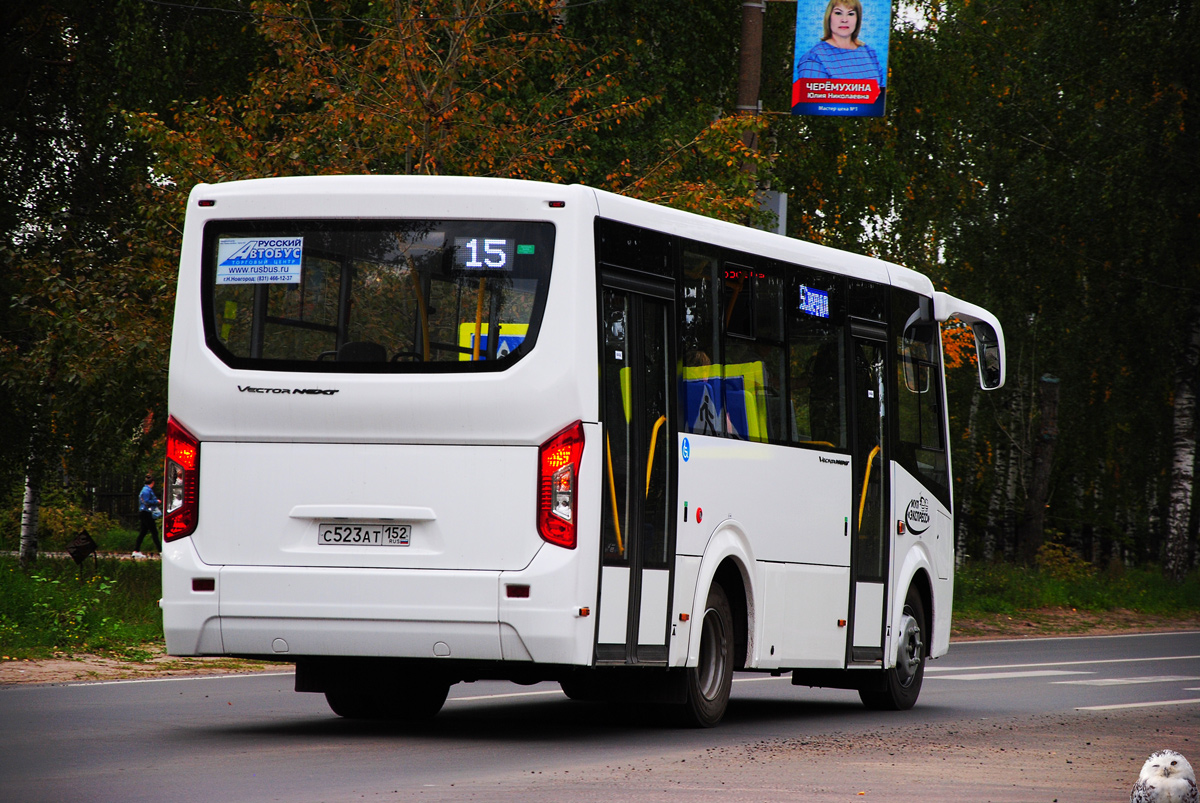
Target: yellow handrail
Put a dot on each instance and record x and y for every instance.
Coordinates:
(662, 419)
(478, 320)
(422, 309)
(612, 489)
(862, 501)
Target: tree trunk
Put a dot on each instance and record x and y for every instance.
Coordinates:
(962, 507)
(1179, 506)
(1008, 545)
(994, 509)
(29, 520)
(1033, 523)
(750, 65)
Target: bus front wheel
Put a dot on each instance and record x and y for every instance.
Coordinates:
(902, 683)
(709, 682)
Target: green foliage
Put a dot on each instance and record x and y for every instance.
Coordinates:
(60, 518)
(84, 326)
(1062, 563)
(1064, 583)
(58, 607)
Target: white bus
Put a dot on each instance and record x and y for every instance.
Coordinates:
(426, 430)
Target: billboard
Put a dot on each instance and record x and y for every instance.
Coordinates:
(840, 67)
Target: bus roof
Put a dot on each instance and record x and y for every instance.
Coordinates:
(373, 191)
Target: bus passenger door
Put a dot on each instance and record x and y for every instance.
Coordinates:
(868, 514)
(637, 542)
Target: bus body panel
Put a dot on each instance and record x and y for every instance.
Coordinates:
(794, 502)
(525, 404)
(191, 619)
(804, 616)
(359, 611)
(728, 542)
(687, 571)
(764, 244)
(926, 545)
(467, 507)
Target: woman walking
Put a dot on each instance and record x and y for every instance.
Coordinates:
(147, 507)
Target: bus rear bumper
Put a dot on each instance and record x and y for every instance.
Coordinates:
(291, 612)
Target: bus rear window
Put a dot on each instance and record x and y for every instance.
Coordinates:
(394, 295)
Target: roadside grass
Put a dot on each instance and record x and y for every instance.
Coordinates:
(110, 606)
(1062, 580)
(107, 607)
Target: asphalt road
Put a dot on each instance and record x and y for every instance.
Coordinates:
(1008, 720)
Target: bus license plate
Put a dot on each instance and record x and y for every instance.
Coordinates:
(363, 534)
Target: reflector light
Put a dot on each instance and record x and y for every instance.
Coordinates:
(204, 584)
(558, 469)
(557, 204)
(208, 202)
(181, 494)
(517, 591)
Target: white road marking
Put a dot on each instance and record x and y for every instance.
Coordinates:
(1194, 701)
(1036, 673)
(188, 677)
(502, 696)
(929, 669)
(1126, 681)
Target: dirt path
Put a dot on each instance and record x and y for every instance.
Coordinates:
(1089, 758)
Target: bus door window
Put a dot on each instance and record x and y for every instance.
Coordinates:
(870, 460)
(617, 428)
(655, 421)
(636, 548)
(641, 406)
(921, 447)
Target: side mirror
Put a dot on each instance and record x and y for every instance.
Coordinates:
(989, 336)
(987, 350)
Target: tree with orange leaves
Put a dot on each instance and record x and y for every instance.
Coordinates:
(473, 87)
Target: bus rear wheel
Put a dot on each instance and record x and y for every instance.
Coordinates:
(709, 682)
(902, 683)
(417, 701)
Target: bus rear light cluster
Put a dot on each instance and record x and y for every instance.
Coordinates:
(182, 491)
(558, 474)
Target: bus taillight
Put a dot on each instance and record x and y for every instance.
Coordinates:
(182, 491)
(558, 473)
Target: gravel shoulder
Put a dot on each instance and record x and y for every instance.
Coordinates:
(1088, 758)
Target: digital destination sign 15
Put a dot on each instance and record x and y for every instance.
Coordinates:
(479, 253)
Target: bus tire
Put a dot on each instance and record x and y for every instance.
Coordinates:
(707, 684)
(582, 685)
(418, 701)
(902, 683)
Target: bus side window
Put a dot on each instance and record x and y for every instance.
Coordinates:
(701, 400)
(754, 354)
(817, 363)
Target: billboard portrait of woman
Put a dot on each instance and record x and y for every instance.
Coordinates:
(841, 73)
